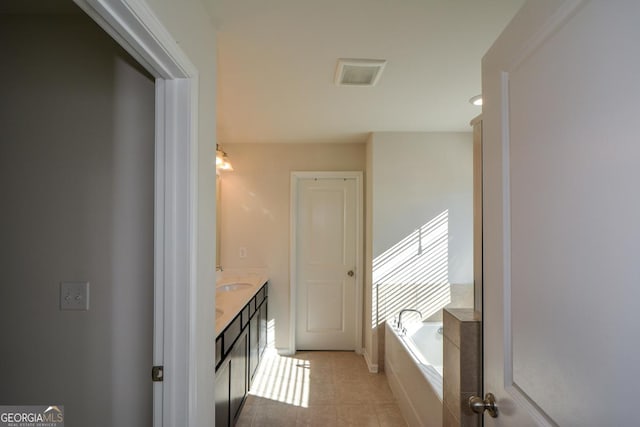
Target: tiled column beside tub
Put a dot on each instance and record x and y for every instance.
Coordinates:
(462, 370)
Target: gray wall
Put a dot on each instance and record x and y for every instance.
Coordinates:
(76, 173)
(421, 226)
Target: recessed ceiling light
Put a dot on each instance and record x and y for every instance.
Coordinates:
(476, 100)
(359, 72)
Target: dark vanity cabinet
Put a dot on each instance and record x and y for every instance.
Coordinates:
(239, 349)
(222, 395)
(253, 346)
(258, 332)
(238, 380)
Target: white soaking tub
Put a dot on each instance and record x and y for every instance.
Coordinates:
(413, 365)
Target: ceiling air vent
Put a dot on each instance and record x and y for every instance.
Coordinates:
(359, 72)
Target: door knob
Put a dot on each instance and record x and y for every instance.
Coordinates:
(478, 405)
(350, 273)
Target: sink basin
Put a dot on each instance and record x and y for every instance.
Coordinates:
(219, 313)
(230, 287)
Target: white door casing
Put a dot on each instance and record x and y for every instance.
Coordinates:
(176, 400)
(560, 222)
(326, 245)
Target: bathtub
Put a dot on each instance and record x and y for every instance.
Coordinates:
(413, 365)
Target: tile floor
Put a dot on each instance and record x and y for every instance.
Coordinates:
(319, 388)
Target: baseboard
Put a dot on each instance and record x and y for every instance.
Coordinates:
(285, 351)
(373, 368)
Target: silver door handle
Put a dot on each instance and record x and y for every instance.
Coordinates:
(350, 273)
(479, 405)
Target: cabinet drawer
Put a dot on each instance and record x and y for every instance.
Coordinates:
(245, 315)
(218, 350)
(232, 333)
(260, 297)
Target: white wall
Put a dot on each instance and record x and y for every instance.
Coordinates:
(190, 25)
(415, 178)
(255, 209)
(77, 170)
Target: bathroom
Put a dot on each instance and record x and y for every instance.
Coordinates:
(86, 209)
(255, 208)
(419, 195)
(416, 232)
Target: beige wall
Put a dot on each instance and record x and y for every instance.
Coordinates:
(255, 209)
(190, 25)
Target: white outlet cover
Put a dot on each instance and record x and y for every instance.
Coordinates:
(74, 296)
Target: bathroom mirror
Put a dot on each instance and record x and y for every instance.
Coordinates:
(218, 220)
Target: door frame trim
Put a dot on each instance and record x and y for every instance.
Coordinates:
(296, 176)
(135, 27)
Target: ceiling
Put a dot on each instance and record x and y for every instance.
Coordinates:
(277, 59)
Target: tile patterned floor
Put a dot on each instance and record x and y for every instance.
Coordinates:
(323, 389)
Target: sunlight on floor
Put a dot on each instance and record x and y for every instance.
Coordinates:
(283, 379)
(319, 389)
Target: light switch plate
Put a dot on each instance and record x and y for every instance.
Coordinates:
(74, 296)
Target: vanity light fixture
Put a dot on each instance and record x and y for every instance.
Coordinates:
(222, 161)
(476, 100)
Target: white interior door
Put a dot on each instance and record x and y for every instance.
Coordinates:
(326, 263)
(561, 214)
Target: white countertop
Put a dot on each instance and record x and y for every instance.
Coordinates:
(232, 302)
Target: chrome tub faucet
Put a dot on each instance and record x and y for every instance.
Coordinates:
(402, 329)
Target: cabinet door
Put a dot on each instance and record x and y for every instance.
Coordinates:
(262, 335)
(239, 377)
(253, 346)
(222, 395)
